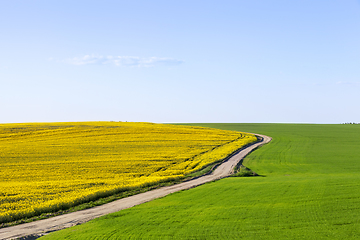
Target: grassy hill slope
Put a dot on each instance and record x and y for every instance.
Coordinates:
(309, 189)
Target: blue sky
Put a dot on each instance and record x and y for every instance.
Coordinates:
(180, 61)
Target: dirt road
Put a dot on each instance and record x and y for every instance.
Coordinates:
(38, 228)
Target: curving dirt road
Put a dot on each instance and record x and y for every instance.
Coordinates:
(38, 228)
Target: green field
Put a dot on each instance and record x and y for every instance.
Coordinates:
(309, 188)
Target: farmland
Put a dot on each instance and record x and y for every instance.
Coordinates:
(309, 188)
(47, 167)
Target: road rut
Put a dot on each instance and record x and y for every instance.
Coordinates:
(35, 229)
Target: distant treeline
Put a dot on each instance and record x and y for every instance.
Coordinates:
(351, 123)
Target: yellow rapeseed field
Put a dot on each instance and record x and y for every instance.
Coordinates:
(45, 167)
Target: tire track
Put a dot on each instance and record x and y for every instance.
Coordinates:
(39, 228)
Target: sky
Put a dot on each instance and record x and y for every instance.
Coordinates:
(240, 61)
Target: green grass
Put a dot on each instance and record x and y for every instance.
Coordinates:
(309, 188)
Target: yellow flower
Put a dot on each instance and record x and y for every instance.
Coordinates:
(51, 166)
